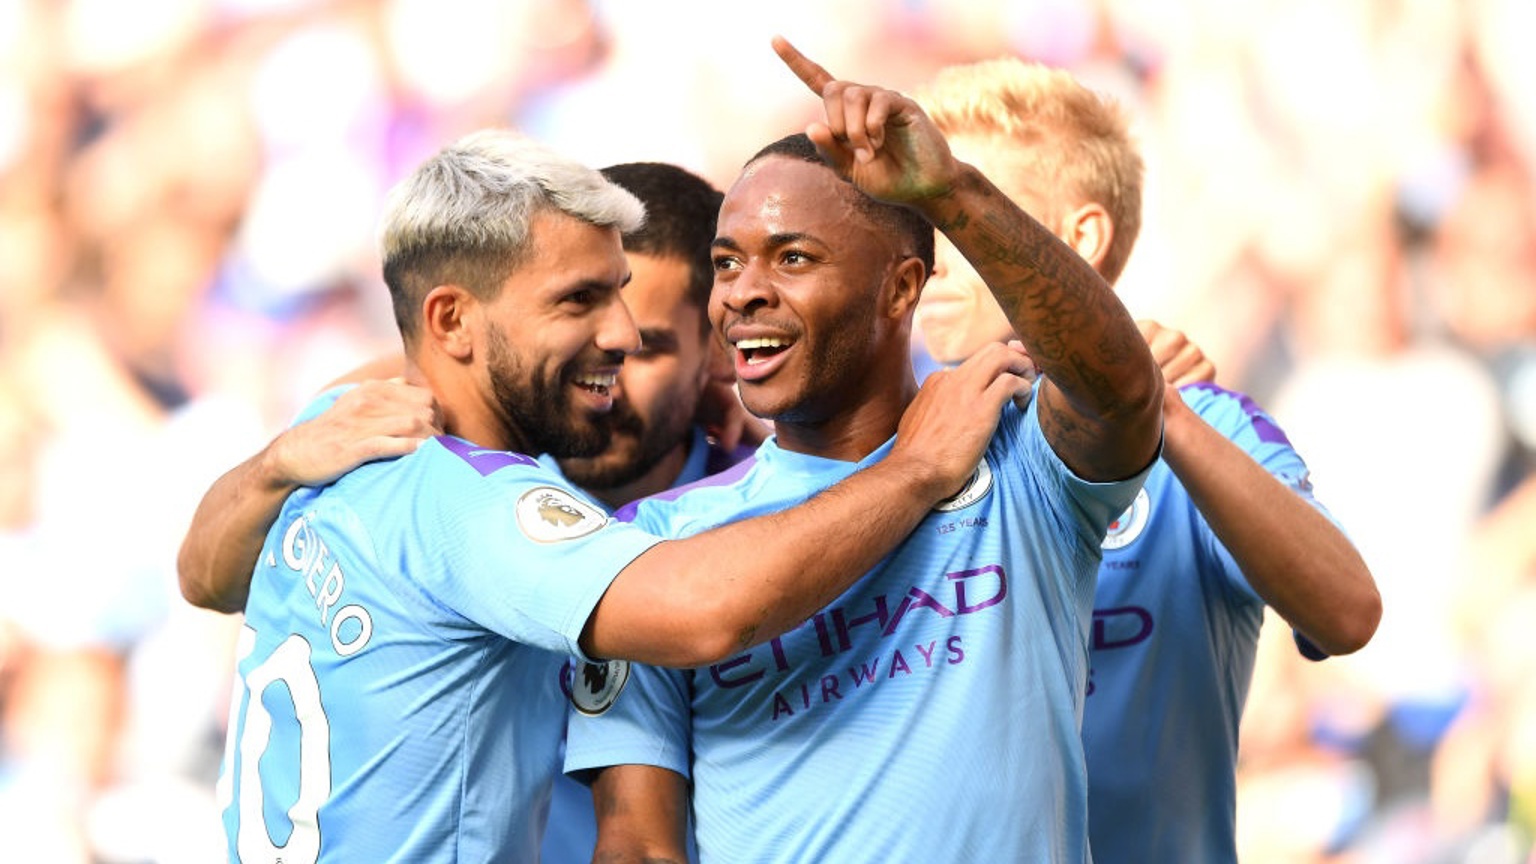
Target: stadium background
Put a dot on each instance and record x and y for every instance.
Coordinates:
(1339, 210)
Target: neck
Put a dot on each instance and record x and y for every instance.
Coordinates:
(661, 477)
(851, 433)
(464, 412)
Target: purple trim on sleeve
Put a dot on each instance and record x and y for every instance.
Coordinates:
(481, 459)
(1263, 425)
(724, 478)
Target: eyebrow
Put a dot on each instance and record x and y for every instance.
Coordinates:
(774, 240)
(654, 338)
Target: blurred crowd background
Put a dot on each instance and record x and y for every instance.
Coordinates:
(1341, 209)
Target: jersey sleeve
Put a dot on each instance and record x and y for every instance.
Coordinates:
(1091, 506)
(1240, 420)
(529, 556)
(649, 724)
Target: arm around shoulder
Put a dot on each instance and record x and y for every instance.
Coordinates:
(375, 420)
(228, 528)
(690, 602)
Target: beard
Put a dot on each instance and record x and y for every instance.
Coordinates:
(636, 445)
(540, 409)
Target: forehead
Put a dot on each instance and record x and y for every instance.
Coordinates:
(783, 195)
(567, 251)
(1011, 165)
(658, 289)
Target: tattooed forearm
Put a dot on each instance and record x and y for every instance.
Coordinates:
(1060, 308)
(1104, 381)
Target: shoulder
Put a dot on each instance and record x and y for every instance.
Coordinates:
(704, 495)
(320, 403)
(1233, 413)
(460, 476)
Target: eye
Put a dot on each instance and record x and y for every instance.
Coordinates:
(580, 297)
(727, 262)
(655, 344)
(795, 256)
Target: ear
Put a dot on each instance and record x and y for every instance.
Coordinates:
(446, 315)
(907, 286)
(1089, 230)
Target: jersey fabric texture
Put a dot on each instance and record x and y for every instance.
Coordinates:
(572, 832)
(398, 695)
(931, 713)
(1175, 629)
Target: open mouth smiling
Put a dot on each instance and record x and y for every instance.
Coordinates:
(761, 349)
(599, 383)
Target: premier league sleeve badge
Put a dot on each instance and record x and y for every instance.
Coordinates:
(596, 686)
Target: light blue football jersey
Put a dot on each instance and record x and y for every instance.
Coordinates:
(931, 713)
(1175, 629)
(398, 695)
(572, 831)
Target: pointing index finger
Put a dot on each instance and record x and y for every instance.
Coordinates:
(806, 69)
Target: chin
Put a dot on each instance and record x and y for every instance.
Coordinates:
(760, 404)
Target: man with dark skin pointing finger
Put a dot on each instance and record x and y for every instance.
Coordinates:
(931, 712)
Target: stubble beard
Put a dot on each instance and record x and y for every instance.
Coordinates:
(540, 410)
(635, 448)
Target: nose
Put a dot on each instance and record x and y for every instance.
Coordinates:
(745, 290)
(616, 331)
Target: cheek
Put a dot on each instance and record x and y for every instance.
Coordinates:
(649, 383)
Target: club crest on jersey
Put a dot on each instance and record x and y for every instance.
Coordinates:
(1131, 523)
(547, 514)
(974, 490)
(596, 686)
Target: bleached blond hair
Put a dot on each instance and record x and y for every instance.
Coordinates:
(464, 216)
(1075, 142)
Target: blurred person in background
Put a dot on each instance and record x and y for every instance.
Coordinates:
(109, 250)
(1479, 275)
(1418, 290)
(1226, 524)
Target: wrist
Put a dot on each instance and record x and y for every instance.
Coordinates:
(1180, 424)
(272, 474)
(915, 478)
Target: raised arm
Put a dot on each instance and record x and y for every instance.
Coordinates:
(699, 600)
(1100, 405)
(375, 420)
(1293, 557)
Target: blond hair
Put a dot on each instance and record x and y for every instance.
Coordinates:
(1075, 141)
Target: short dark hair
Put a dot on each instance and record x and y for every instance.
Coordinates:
(902, 221)
(681, 210)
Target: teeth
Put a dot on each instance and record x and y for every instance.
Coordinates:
(597, 381)
(762, 342)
